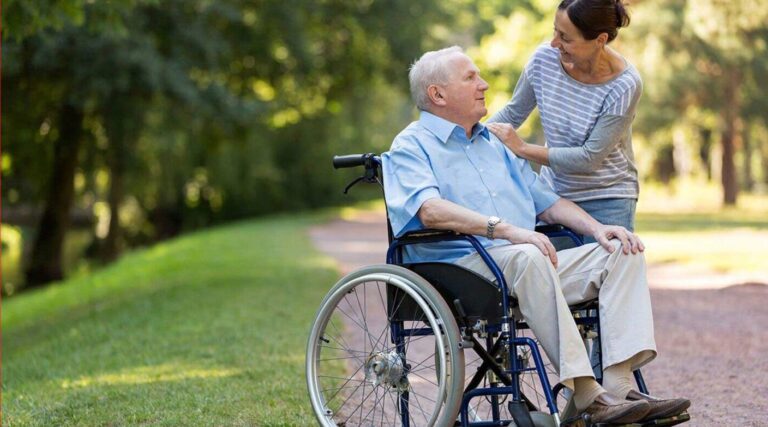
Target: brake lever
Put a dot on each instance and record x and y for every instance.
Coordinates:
(370, 176)
(352, 184)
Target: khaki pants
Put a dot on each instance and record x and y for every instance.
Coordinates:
(583, 273)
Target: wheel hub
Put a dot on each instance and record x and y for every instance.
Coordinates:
(386, 369)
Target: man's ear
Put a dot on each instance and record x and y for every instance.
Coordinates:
(435, 95)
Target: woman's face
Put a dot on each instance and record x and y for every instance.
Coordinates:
(568, 40)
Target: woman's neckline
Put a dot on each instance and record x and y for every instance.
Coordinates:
(627, 66)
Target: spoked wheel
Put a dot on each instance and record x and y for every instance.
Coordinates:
(384, 350)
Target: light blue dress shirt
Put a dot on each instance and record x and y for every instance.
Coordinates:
(433, 158)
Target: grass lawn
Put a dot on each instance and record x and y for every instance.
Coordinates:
(687, 225)
(207, 329)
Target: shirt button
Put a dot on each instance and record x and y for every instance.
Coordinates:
(493, 194)
(482, 170)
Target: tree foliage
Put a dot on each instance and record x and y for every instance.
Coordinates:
(146, 118)
(190, 112)
(702, 63)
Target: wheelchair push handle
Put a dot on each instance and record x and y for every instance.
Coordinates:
(352, 160)
(370, 161)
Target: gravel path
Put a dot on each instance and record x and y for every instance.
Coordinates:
(712, 338)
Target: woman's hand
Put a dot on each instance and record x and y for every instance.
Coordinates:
(507, 134)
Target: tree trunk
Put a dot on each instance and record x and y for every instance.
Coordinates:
(118, 125)
(114, 240)
(45, 261)
(746, 143)
(764, 158)
(705, 145)
(730, 136)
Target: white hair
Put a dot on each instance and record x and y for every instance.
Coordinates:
(432, 68)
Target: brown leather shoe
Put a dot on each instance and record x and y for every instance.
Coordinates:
(660, 408)
(608, 408)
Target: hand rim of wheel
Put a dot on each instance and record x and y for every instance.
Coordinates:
(336, 294)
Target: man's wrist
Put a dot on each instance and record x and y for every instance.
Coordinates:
(490, 228)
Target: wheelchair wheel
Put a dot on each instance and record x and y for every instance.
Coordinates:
(384, 350)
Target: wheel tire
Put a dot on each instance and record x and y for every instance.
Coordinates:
(355, 373)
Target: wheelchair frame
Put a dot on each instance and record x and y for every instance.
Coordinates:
(510, 368)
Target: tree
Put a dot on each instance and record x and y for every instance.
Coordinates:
(696, 56)
(198, 111)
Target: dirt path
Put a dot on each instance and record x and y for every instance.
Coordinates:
(712, 338)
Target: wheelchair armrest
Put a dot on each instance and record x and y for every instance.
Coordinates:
(550, 228)
(418, 237)
(559, 230)
(428, 234)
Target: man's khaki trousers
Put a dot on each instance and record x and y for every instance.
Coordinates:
(583, 273)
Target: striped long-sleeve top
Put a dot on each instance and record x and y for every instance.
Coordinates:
(587, 127)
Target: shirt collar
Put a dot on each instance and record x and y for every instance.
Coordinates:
(443, 129)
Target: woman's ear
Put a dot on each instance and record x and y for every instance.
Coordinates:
(435, 94)
(602, 39)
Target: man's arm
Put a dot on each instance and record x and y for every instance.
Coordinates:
(445, 215)
(572, 216)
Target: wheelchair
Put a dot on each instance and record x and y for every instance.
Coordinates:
(423, 344)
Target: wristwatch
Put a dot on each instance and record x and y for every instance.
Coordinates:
(492, 222)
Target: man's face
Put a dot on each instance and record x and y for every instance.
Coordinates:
(465, 92)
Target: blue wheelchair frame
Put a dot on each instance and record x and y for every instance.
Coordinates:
(506, 329)
(508, 336)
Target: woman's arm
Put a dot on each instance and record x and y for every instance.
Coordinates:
(607, 133)
(520, 106)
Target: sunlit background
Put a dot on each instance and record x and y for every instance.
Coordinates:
(163, 160)
(129, 122)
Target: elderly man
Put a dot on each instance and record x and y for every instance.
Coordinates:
(446, 171)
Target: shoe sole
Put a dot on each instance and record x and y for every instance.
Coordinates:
(667, 412)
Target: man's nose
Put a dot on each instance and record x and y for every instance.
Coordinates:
(483, 85)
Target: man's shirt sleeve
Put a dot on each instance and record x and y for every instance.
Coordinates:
(408, 183)
(543, 196)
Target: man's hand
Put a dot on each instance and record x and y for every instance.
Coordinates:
(507, 134)
(629, 241)
(517, 235)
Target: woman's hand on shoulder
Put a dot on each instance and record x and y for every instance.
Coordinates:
(507, 135)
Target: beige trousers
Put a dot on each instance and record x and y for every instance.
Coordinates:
(583, 273)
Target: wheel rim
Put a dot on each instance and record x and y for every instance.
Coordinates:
(356, 375)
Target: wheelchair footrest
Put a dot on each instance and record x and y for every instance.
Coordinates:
(585, 421)
(671, 421)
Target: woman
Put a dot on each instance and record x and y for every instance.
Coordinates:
(586, 93)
